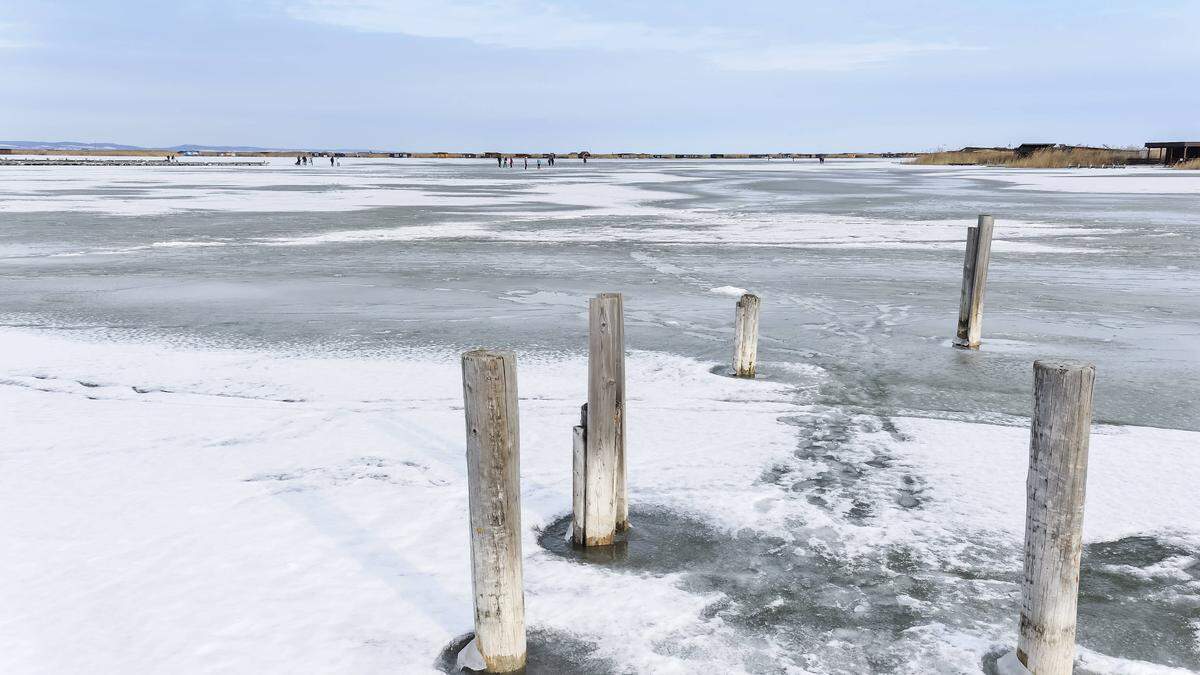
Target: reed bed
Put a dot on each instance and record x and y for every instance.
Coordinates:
(964, 157)
(1052, 158)
(1049, 158)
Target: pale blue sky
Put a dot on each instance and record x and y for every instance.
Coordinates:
(669, 75)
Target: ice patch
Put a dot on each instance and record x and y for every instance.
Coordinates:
(470, 657)
(216, 495)
(1009, 664)
(732, 291)
(981, 484)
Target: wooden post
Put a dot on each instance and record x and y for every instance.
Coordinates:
(494, 489)
(579, 477)
(1058, 457)
(975, 269)
(606, 508)
(745, 336)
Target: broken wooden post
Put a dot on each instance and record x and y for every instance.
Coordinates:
(745, 335)
(605, 508)
(579, 477)
(1058, 457)
(494, 492)
(975, 269)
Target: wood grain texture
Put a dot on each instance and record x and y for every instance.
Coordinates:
(606, 507)
(1055, 488)
(579, 479)
(745, 335)
(494, 491)
(975, 269)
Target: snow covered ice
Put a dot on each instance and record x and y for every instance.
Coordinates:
(233, 420)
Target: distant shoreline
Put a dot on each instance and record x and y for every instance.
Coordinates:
(94, 152)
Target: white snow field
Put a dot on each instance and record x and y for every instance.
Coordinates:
(232, 410)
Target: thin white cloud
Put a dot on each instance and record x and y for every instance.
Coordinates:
(826, 57)
(9, 38)
(526, 24)
(536, 24)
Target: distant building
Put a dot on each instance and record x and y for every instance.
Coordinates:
(1172, 152)
(1027, 149)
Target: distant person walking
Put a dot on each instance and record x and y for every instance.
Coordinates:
(331, 161)
(539, 163)
(526, 162)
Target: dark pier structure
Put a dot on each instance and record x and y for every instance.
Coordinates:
(1172, 152)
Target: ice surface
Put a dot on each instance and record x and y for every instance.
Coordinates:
(470, 657)
(731, 291)
(1009, 665)
(232, 402)
(1138, 180)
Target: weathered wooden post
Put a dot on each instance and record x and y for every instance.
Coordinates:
(1058, 457)
(579, 477)
(975, 269)
(494, 486)
(605, 505)
(745, 335)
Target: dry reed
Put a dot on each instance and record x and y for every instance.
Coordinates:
(1053, 158)
(1048, 158)
(964, 157)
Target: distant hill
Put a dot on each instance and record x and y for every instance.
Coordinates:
(220, 148)
(64, 145)
(81, 145)
(78, 145)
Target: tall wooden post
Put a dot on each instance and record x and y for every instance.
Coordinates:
(606, 507)
(975, 269)
(494, 489)
(1058, 457)
(745, 336)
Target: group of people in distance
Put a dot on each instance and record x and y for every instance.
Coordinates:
(508, 161)
(306, 160)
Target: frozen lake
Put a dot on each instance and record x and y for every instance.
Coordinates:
(234, 407)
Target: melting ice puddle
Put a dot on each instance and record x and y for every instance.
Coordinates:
(877, 613)
(549, 653)
(772, 589)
